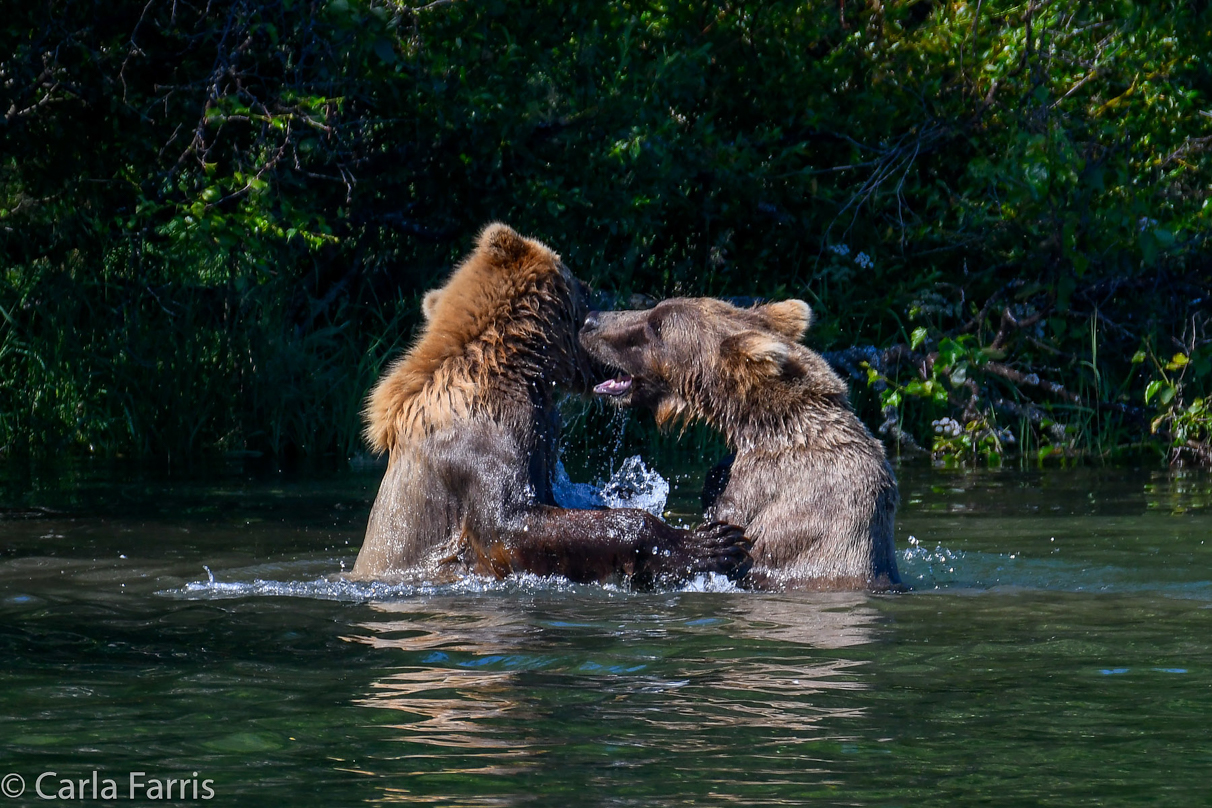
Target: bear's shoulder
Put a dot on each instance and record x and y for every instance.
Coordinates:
(480, 315)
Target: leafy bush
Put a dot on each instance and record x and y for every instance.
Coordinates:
(216, 219)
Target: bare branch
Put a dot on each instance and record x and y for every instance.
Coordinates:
(1031, 380)
(1188, 147)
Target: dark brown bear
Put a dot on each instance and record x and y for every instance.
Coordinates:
(809, 483)
(468, 420)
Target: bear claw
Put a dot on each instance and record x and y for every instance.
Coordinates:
(722, 548)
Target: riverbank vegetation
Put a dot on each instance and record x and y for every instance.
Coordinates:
(217, 219)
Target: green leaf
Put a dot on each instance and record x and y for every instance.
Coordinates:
(385, 51)
(949, 351)
(917, 338)
(1138, 357)
(1177, 361)
(1151, 390)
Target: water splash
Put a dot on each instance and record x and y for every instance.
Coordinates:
(338, 589)
(335, 588)
(710, 582)
(633, 485)
(618, 422)
(942, 568)
(922, 567)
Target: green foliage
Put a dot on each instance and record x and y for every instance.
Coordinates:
(1187, 426)
(216, 220)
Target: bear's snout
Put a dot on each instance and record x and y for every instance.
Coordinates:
(591, 321)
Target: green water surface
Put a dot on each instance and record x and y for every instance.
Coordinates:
(1055, 651)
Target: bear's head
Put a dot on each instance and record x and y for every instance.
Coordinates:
(503, 326)
(701, 358)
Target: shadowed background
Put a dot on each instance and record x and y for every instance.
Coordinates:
(216, 219)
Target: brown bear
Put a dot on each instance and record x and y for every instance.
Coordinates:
(808, 482)
(469, 422)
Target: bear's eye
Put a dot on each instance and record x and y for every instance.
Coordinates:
(634, 337)
(654, 326)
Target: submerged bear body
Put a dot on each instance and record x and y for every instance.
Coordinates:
(808, 482)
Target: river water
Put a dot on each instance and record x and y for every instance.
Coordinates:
(1055, 651)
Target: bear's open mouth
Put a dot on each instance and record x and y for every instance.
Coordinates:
(613, 387)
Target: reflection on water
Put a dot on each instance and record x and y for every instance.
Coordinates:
(473, 695)
(1055, 653)
(819, 620)
(449, 706)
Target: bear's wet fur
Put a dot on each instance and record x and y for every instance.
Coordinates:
(808, 481)
(468, 420)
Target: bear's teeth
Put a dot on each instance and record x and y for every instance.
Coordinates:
(614, 387)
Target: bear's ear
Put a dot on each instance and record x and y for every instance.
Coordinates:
(429, 303)
(790, 318)
(753, 351)
(502, 243)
